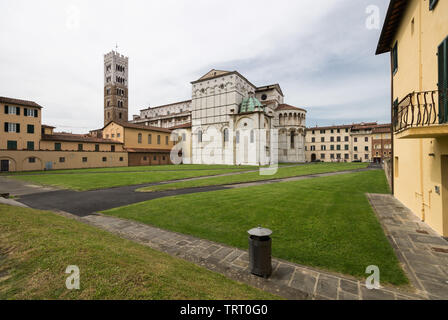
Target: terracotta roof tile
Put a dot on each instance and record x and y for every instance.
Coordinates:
(62, 136)
(287, 107)
(19, 102)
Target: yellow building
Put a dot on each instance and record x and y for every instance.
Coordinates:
(145, 145)
(415, 33)
(26, 144)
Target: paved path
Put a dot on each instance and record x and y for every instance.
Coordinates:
(423, 253)
(86, 202)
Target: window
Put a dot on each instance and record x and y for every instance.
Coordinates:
(163, 158)
(338, 139)
(84, 159)
(313, 139)
(118, 135)
(366, 157)
(323, 147)
(332, 156)
(338, 156)
(158, 139)
(104, 159)
(121, 158)
(338, 147)
(432, 4)
(12, 145)
(29, 112)
(112, 148)
(61, 159)
(80, 147)
(442, 53)
(346, 156)
(356, 157)
(332, 147)
(149, 139)
(332, 131)
(12, 110)
(200, 136)
(30, 145)
(139, 138)
(395, 58)
(12, 127)
(252, 136)
(237, 137)
(155, 158)
(322, 131)
(313, 148)
(322, 139)
(366, 139)
(346, 147)
(356, 139)
(322, 155)
(355, 148)
(166, 140)
(346, 139)
(331, 139)
(31, 159)
(97, 147)
(57, 146)
(346, 130)
(292, 139)
(366, 148)
(226, 135)
(30, 128)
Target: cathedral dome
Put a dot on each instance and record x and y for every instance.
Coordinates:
(250, 104)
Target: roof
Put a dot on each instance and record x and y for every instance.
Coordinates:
(213, 73)
(391, 23)
(166, 105)
(62, 136)
(46, 126)
(181, 126)
(269, 87)
(220, 75)
(383, 128)
(140, 150)
(288, 107)
(367, 125)
(20, 102)
(250, 104)
(138, 126)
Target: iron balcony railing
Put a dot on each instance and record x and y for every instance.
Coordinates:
(420, 109)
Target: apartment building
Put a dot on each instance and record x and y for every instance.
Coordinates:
(26, 144)
(415, 35)
(342, 143)
(145, 145)
(381, 143)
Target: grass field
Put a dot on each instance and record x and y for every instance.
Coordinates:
(135, 169)
(90, 181)
(255, 176)
(324, 222)
(37, 246)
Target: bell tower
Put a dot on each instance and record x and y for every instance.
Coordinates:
(115, 87)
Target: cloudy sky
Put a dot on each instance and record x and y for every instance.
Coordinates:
(320, 52)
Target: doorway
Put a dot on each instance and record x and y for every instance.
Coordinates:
(4, 165)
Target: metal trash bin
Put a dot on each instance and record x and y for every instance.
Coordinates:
(260, 251)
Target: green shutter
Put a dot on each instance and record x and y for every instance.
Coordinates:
(6, 126)
(35, 113)
(443, 81)
(432, 4)
(18, 111)
(18, 127)
(6, 110)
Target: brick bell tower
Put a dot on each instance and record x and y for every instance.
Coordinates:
(115, 87)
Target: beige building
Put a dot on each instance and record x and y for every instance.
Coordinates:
(415, 34)
(145, 145)
(26, 144)
(342, 143)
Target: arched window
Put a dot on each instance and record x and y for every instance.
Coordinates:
(237, 137)
(292, 139)
(139, 138)
(252, 136)
(226, 135)
(200, 136)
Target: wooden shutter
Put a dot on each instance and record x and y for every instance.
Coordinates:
(443, 81)
(18, 127)
(6, 126)
(6, 109)
(18, 111)
(35, 113)
(25, 112)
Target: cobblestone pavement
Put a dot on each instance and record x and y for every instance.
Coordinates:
(423, 253)
(288, 280)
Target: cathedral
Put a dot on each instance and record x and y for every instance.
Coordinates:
(228, 120)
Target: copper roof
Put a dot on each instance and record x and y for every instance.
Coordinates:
(19, 102)
(391, 24)
(138, 126)
(288, 107)
(62, 136)
(144, 150)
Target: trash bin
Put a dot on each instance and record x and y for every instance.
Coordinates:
(260, 251)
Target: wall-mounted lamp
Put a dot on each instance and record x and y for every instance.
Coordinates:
(432, 154)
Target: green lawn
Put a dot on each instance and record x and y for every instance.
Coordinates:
(301, 170)
(136, 168)
(37, 246)
(324, 222)
(83, 181)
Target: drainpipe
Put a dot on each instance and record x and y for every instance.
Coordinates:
(420, 83)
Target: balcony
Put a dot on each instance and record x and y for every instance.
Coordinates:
(421, 115)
